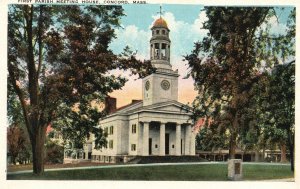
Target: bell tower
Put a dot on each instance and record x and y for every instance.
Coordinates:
(160, 44)
(161, 86)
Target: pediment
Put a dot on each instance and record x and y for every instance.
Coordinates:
(172, 108)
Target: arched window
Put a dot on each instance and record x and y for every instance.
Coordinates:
(164, 32)
(157, 32)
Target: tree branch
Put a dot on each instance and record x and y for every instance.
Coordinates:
(21, 96)
(39, 39)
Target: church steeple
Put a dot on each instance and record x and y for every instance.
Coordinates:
(161, 86)
(160, 44)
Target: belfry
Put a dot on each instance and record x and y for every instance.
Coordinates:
(161, 86)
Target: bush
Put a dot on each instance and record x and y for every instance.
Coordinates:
(54, 153)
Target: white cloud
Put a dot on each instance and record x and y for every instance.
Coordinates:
(198, 24)
(182, 35)
(133, 37)
(274, 26)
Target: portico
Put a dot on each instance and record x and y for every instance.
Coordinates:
(165, 138)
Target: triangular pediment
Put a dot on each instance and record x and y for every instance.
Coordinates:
(164, 107)
(171, 107)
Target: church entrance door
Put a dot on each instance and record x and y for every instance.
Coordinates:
(181, 147)
(167, 143)
(150, 146)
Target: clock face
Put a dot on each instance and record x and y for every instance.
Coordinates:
(165, 84)
(147, 85)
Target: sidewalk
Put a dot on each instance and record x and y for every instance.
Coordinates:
(280, 180)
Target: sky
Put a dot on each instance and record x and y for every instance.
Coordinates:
(185, 23)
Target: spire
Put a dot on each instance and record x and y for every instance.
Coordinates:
(160, 11)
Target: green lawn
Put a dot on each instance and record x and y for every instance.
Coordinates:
(212, 172)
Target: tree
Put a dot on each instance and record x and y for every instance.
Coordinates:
(17, 144)
(60, 55)
(281, 106)
(225, 76)
(211, 138)
(271, 111)
(70, 124)
(253, 132)
(276, 97)
(226, 64)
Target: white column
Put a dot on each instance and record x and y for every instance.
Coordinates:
(160, 46)
(146, 139)
(152, 51)
(87, 153)
(140, 139)
(178, 140)
(162, 148)
(187, 137)
(193, 144)
(167, 51)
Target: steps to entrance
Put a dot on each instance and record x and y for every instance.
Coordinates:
(165, 159)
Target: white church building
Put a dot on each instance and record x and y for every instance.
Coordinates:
(157, 125)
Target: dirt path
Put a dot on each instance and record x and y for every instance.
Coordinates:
(15, 168)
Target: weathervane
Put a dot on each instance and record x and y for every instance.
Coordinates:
(160, 11)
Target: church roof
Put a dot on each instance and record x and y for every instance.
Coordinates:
(128, 105)
(137, 106)
(160, 22)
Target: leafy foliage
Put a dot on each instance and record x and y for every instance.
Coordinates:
(18, 145)
(225, 76)
(280, 106)
(59, 56)
(227, 67)
(54, 152)
(210, 138)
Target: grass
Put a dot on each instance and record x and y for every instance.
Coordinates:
(212, 172)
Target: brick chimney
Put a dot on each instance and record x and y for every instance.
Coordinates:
(135, 101)
(110, 105)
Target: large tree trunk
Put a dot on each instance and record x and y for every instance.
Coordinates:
(292, 157)
(291, 139)
(13, 160)
(233, 137)
(38, 150)
(38, 128)
(283, 152)
(232, 145)
(263, 153)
